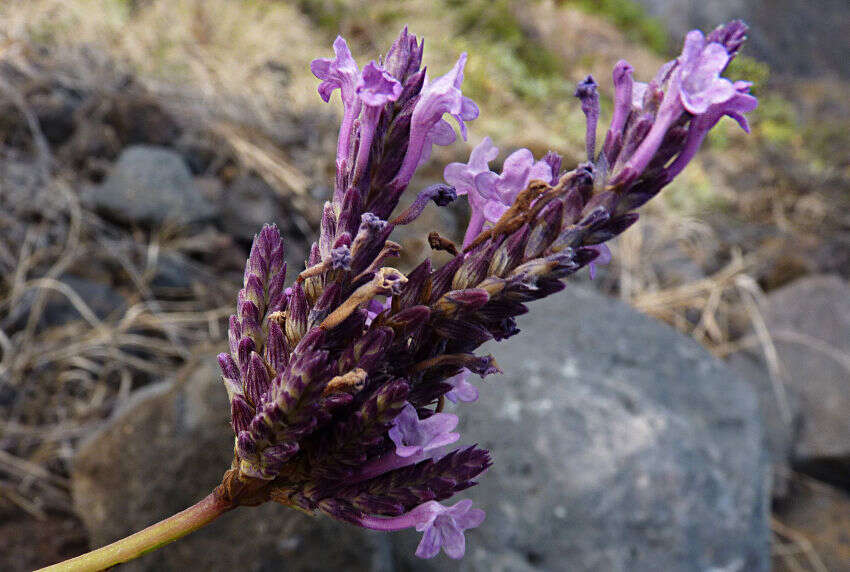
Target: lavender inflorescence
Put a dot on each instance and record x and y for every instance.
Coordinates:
(337, 382)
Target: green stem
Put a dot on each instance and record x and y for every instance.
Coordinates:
(151, 538)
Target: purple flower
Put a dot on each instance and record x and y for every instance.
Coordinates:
(374, 307)
(623, 103)
(602, 259)
(375, 88)
(442, 526)
(415, 440)
(414, 437)
(337, 73)
(340, 73)
(462, 177)
(462, 390)
(700, 66)
(735, 107)
(588, 94)
(489, 194)
(427, 126)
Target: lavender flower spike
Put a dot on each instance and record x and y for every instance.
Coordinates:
(694, 86)
(442, 526)
(586, 91)
(427, 125)
(375, 89)
(340, 73)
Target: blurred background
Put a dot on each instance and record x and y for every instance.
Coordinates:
(144, 142)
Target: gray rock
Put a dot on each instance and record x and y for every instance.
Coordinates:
(779, 406)
(165, 450)
(619, 444)
(810, 322)
(249, 202)
(174, 270)
(791, 36)
(151, 186)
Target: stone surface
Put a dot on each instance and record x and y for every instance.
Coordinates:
(248, 203)
(165, 450)
(779, 406)
(151, 185)
(816, 513)
(618, 445)
(810, 323)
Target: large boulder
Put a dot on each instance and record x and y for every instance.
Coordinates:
(809, 321)
(151, 185)
(619, 444)
(779, 406)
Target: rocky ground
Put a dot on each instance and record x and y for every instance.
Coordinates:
(135, 166)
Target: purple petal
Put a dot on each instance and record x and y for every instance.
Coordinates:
(429, 546)
(376, 87)
(454, 543)
(338, 73)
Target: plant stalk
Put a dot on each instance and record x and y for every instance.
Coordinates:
(149, 539)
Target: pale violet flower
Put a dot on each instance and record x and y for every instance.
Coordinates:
(340, 73)
(691, 84)
(427, 126)
(489, 194)
(375, 88)
(413, 436)
(415, 440)
(462, 390)
(442, 526)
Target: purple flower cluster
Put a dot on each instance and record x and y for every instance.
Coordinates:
(337, 383)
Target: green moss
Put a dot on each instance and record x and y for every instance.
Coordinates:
(693, 192)
(749, 69)
(493, 22)
(326, 14)
(631, 19)
(775, 120)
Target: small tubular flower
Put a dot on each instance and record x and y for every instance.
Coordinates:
(375, 88)
(692, 88)
(462, 390)
(442, 526)
(413, 436)
(427, 126)
(491, 194)
(340, 73)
